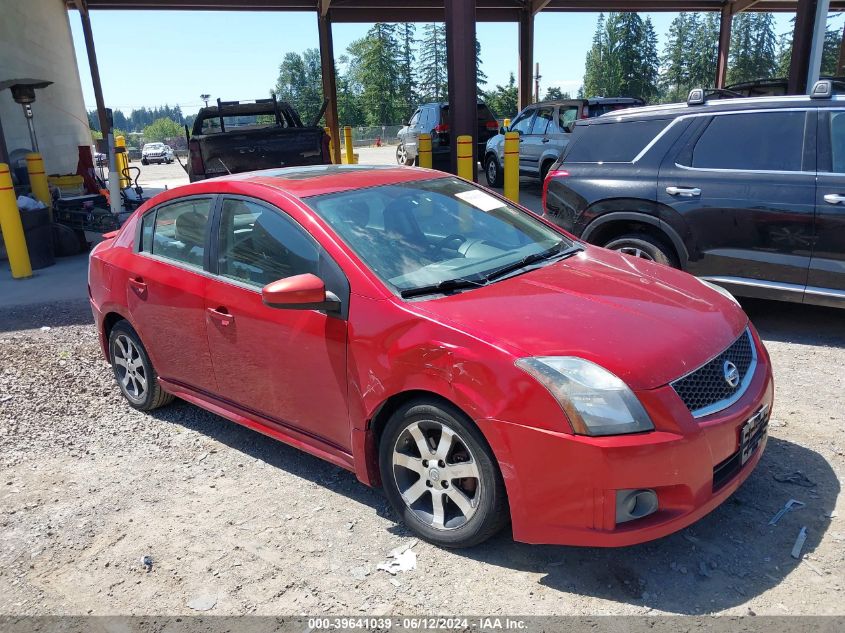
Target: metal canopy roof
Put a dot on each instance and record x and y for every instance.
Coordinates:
(433, 10)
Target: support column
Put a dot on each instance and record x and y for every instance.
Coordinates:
(92, 63)
(817, 47)
(4, 151)
(324, 26)
(725, 24)
(526, 57)
(460, 62)
(802, 41)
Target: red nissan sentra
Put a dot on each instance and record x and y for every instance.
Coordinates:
(437, 340)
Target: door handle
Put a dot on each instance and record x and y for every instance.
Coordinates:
(684, 192)
(546, 140)
(221, 315)
(834, 198)
(138, 285)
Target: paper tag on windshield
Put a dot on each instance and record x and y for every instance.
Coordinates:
(480, 200)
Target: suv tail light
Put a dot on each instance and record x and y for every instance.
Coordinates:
(493, 125)
(197, 166)
(553, 173)
(585, 113)
(441, 128)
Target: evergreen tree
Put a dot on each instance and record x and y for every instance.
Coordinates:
(407, 41)
(300, 83)
(503, 101)
(432, 76)
(676, 77)
(753, 48)
(594, 64)
(553, 93)
(375, 66)
(480, 75)
(830, 52)
(349, 111)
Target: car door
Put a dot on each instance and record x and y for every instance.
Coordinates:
(288, 366)
(826, 278)
(522, 125)
(166, 290)
(745, 185)
(534, 141)
(412, 134)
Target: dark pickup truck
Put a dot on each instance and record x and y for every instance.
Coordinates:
(234, 137)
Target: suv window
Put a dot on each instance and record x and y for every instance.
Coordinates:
(522, 122)
(771, 141)
(542, 120)
(177, 231)
(617, 142)
(414, 119)
(567, 115)
(837, 142)
(259, 245)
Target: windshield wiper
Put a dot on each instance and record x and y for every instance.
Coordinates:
(554, 252)
(442, 287)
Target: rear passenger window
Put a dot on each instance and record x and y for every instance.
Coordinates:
(770, 141)
(617, 142)
(177, 231)
(837, 142)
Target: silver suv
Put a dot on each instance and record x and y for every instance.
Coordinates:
(544, 130)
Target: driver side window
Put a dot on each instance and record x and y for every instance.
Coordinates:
(523, 122)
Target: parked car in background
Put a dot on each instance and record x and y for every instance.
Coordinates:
(156, 153)
(544, 129)
(233, 137)
(386, 319)
(748, 193)
(433, 118)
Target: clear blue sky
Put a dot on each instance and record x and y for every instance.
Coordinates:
(150, 58)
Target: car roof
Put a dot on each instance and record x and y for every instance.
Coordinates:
(716, 105)
(315, 180)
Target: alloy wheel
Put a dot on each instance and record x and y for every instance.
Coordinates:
(437, 474)
(129, 367)
(636, 252)
(401, 155)
(491, 171)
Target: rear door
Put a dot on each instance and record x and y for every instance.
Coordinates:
(288, 366)
(166, 290)
(745, 185)
(534, 142)
(826, 279)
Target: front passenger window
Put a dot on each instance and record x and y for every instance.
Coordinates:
(259, 245)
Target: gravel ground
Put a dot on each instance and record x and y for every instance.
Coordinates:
(237, 523)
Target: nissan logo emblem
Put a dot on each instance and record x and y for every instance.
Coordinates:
(731, 374)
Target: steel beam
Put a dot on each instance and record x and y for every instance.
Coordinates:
(88, 34)
(526, 57)
(327, 65)
(819, 30)
(802, 43)
(460, 62)
(725, 23)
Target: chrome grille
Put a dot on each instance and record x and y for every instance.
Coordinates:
(706, 389)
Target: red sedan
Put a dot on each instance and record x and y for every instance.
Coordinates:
(475, 361)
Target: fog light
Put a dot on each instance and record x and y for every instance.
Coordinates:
(634, 504)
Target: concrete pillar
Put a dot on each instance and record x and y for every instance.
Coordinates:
(460, 61)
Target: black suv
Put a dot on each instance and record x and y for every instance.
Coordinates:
(748, 193)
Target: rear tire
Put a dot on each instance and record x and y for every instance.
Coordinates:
(646, 247)
(440, 475)
(493, 171)
(402, 157)
(133, 370)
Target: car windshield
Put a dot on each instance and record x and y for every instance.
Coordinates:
(154, 146)
(437, 233)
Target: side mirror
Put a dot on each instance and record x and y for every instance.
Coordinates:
(300, 292)
(503, 129)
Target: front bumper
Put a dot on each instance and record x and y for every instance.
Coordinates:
(562, 487)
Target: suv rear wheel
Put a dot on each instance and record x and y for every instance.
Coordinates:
(644, 246)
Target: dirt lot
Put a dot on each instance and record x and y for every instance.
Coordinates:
(239, 523)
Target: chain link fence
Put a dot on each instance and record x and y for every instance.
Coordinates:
(364, 136)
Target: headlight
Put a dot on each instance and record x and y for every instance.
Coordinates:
(725, 293)
(595, 401)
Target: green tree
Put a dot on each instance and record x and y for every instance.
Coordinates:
(300, 83)
(407, 57)
(504, 100)
(374, 65)
(432, 76)
(753, 48)
(676, 77)
(553, 93)
(162, 129)
(480, 75)
(349, 110)
(830, 52)
(622, 60)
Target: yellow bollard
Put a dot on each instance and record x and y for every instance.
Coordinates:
(347, 142)
(424, 151)
(10, 224)
(506, 124)
(465, 166)
(512, 166)
(331, 145)
(38, 178)
(121, 161)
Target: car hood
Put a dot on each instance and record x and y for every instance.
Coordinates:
(647, 323)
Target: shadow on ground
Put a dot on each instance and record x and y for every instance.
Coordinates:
(796, 322)
(720, 562)
(53, 314)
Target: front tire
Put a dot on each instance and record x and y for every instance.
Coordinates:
(133, 370)
(440, 475)
(493, 172)
(646, 247)
(402, 157)
(144, 161)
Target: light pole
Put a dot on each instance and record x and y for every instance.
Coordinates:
(205, 98)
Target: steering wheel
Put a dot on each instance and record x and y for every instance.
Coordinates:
(454, 237)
